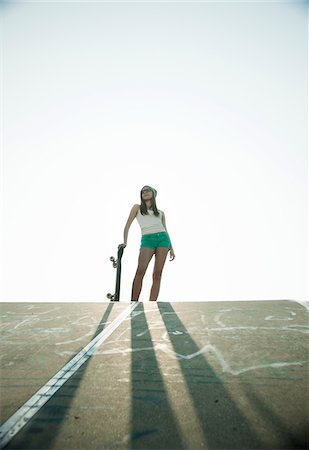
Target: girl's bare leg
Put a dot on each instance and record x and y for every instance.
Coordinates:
(161, 253)
(144, 259)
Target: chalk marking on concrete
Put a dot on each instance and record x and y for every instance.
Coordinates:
(218, 317)
(278, 318)
(22, 416)
(227, 368)
(298, 328)
(276, 365)
(30, 319)
(71, 341)
(207, 348)
(56, 308)
(303, 303)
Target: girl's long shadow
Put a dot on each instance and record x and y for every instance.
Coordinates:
(223, 423)
(153, 423)
(41, 432)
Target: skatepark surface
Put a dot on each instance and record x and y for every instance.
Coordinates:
(158, 375)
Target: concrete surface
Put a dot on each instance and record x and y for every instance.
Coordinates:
(194, 375)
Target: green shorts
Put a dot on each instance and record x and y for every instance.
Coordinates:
(156, 240)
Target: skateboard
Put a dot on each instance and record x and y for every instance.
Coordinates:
(117, 265)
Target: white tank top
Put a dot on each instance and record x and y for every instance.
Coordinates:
(150, 223)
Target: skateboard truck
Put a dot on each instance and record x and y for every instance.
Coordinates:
(114, 261)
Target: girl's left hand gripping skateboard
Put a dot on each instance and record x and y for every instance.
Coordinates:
(116, 264)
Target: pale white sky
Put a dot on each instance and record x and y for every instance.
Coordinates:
(206, 101)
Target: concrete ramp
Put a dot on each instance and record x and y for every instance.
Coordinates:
(179, 375)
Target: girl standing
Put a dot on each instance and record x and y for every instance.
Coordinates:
(155, 241)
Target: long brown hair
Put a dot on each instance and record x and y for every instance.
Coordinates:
(143, 206)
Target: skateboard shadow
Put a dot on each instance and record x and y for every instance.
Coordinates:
(223, 425)
(153, 423)
(42, 430)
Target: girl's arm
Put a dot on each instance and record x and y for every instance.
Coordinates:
(132, 216)
(172, 254)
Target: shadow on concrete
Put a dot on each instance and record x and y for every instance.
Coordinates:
(290, 439)
(153, 423)
(42, 430)
(224, 425)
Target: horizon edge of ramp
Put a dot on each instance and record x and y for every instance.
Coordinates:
(23, 415)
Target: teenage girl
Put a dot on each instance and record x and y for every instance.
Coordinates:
(155, 241)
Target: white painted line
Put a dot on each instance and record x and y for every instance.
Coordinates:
(22, 416)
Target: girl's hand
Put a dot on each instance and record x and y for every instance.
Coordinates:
(122, 245)
(172, 254)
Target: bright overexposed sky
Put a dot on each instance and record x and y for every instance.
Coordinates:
(205, 101)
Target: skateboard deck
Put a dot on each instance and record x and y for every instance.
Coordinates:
(116, 264)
